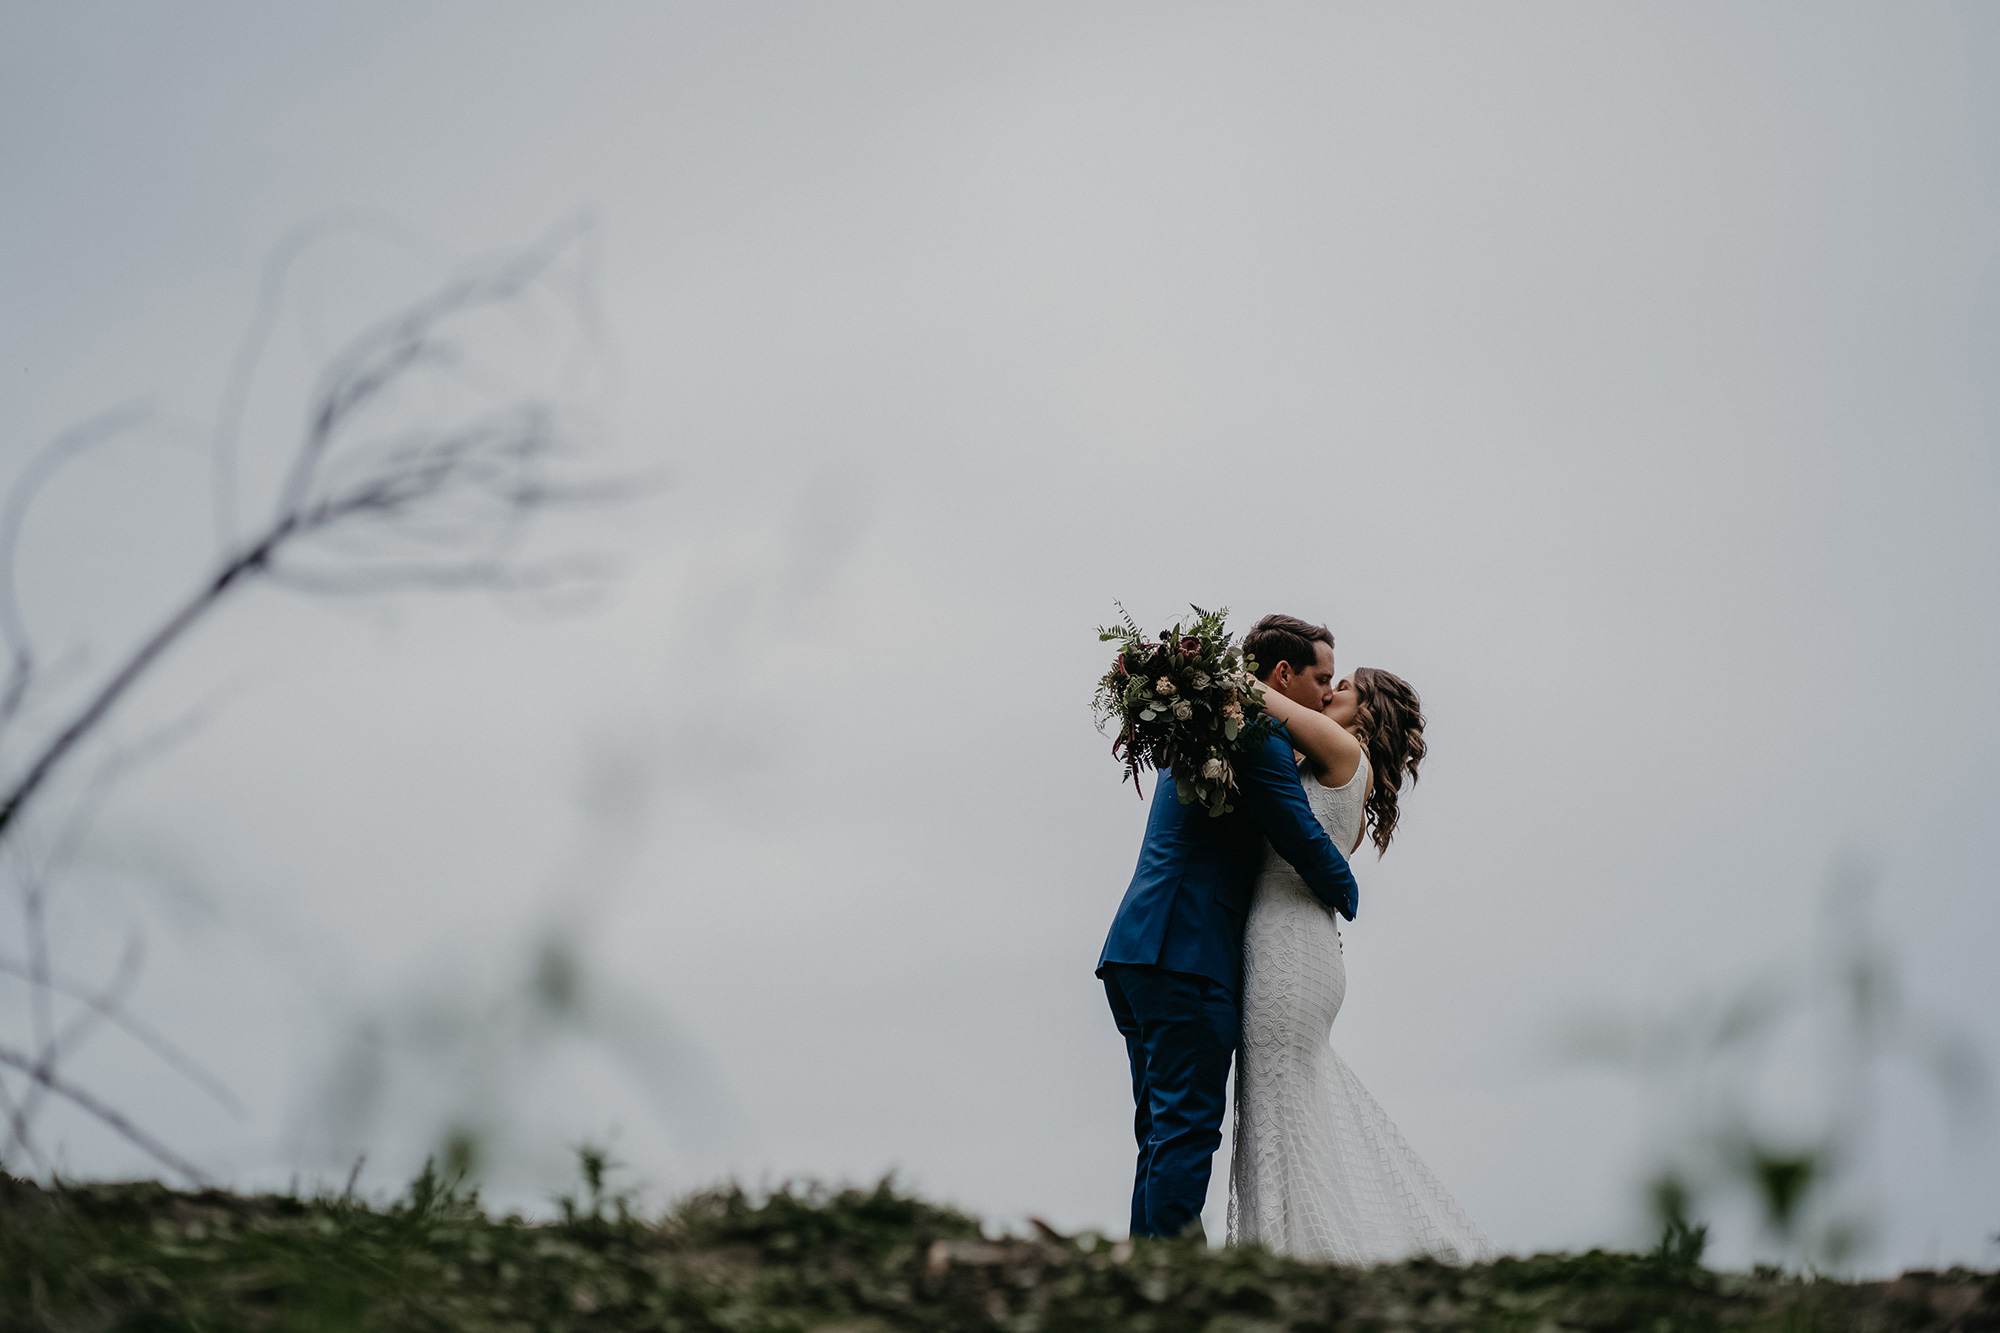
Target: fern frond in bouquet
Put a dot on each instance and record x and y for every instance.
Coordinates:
(1185, 705)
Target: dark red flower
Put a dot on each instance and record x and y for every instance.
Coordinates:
(1190, 645)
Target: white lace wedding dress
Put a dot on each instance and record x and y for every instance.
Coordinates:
(1319, 1171)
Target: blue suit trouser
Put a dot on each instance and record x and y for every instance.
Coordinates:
(1180, 1032)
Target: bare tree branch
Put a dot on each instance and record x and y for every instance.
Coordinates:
(105, 1115)
(487, 468)
(379, 357)
(19, 1130)
(108, 695)
(110, 999)
(243, 366)
(137, 1029)
(360, 508)
(13, 514)
(34, 927)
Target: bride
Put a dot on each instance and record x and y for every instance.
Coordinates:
(1319, 1171)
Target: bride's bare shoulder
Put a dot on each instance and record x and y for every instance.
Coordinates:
(1341, 762)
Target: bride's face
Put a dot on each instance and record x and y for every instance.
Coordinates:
(1341, 708)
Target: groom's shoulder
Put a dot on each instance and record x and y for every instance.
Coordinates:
(1271, 739)
(1267, 760)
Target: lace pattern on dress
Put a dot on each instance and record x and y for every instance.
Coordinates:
(1320, 1172)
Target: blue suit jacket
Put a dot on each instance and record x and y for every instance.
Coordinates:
(1185, 906)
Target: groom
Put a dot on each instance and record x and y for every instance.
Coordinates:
(1173, 963)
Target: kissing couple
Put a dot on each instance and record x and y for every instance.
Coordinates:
(1227, 945)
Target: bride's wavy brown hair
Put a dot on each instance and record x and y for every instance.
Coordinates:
(1389, 719)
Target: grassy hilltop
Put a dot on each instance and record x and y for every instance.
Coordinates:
(141, 1256)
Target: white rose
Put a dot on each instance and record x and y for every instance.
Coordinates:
(1212, 769)
(1183, 709)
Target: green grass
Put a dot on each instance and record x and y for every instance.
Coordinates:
(142, 1257)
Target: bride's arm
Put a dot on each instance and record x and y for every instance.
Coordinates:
(1331, 749)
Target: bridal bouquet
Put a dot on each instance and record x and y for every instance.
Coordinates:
(1185, 705)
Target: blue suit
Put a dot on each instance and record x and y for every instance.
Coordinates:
(1172, 965)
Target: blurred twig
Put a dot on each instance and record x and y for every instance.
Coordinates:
(1703, 1067)
(368, 502)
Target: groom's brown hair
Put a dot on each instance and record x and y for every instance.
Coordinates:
(1276, 639)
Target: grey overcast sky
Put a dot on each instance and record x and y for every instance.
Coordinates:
(1621, 375)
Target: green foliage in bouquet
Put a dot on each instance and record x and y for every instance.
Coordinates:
(1186, 705)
